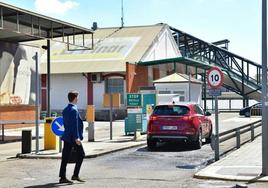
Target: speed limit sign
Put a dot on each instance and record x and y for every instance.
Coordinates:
(215, 78)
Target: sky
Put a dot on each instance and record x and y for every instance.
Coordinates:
(210, 20)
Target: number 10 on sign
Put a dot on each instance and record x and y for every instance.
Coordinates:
(215, 78)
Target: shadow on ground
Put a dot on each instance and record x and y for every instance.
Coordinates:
(170, 147)
(48, 185)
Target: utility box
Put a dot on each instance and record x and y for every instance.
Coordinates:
(135, 121)
(51, 141)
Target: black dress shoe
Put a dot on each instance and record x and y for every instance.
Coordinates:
(65, 180)
(77, 179)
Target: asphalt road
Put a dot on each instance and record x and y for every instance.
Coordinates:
(168, 166)
(171, 165)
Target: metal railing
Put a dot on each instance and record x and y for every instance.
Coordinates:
(3, 123)
(255, 112)
(238, 132)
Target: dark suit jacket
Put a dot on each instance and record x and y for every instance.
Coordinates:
(73, 124)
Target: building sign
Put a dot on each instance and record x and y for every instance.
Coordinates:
(17, 74)
(107, 49)
(134, 110)
(215, 92)
(133, 99)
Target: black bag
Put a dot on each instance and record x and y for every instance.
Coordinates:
(73, 155)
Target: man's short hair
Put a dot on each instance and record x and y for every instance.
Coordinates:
(72, 95)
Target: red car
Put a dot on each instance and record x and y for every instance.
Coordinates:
(179, 122)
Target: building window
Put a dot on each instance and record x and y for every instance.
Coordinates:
(179, 92)
(164, 92)
(182, 98)
(115, 85)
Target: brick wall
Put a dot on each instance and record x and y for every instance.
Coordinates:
(156, 73)
(17, 112)
(136, 77)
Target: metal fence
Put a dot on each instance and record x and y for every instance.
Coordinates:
(238, 136)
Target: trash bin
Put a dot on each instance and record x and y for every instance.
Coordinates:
(51, 141)
(43, 114)
(91, 136)
(26, 141)
(54, 114)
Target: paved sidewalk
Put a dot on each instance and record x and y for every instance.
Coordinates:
(94, 149)
(102, 145)
(244, 164)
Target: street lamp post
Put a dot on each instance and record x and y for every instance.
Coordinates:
(264, 91)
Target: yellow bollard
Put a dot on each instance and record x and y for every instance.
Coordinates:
(90, 113)
(90, 120)
(51, 141)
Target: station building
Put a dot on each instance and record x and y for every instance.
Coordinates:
(110, 67)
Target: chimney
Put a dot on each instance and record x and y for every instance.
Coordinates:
(94, 26)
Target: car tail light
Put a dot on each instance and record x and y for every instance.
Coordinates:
(187, 118)
(151, 123)
(153, 118)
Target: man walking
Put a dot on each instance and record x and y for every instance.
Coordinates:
(73, 134)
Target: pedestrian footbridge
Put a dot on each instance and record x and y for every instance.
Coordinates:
(241, 75)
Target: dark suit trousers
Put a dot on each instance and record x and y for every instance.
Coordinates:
(67, 148)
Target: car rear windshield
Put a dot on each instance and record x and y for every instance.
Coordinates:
(171, 110)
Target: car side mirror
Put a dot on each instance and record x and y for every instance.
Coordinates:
(207, 114)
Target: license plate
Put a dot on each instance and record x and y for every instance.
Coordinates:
(169, 127)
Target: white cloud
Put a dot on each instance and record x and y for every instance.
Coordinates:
(54, 6)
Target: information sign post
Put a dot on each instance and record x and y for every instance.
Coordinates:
(135, 114)
(215, 80)
(57, 128)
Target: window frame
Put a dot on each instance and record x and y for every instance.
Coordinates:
(107, 87)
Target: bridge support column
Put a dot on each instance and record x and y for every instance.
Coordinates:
(245, 102)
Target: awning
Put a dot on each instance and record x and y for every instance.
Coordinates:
(19, 25)
(181, 60)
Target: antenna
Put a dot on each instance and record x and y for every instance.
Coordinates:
(122, 13)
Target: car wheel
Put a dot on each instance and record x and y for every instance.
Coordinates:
(247, 114)
(208, 139)
(151, 145)
(197, 144)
